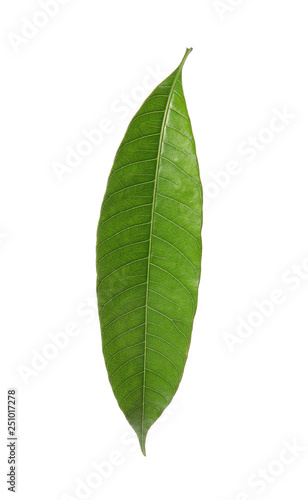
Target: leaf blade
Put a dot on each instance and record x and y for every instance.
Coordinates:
(150, 227)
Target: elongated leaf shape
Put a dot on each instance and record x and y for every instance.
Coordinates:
(149, 255)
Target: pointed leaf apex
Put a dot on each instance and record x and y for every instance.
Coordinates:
(142, 445)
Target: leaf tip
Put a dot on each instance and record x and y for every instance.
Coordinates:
(142, 445)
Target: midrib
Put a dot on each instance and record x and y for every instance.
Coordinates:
(151, 235)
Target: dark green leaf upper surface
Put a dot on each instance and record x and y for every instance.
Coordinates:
(149, 255)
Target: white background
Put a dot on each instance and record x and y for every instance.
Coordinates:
(236, 408)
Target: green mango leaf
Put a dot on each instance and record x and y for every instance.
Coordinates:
(149, 255)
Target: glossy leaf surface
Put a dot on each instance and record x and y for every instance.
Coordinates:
(149, 255)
